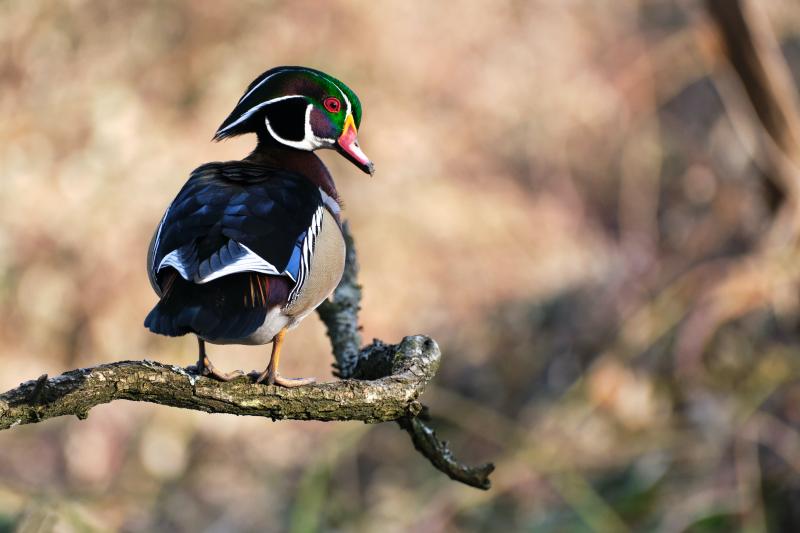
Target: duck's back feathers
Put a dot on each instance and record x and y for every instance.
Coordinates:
(236, 241)
(230, 210)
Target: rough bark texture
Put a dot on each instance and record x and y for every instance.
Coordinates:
(382, 383)
(438, 453)
(414, 362)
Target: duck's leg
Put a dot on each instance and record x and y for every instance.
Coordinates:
(271, 372)
(206, 368)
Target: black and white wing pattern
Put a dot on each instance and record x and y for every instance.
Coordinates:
(238, 217)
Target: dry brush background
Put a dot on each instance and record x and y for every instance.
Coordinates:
(573, 198)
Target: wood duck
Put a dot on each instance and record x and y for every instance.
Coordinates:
(249, 248)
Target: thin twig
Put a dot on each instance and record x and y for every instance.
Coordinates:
(340, 316)
(438, 453)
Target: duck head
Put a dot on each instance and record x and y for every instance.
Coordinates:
(301, 108)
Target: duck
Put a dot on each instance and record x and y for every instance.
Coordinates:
(248, 248)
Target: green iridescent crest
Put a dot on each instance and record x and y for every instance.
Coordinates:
(283, 83)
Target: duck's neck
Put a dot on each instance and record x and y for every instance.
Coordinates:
(306, 164)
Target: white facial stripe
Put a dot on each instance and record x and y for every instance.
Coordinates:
(320, 141)
(305, 144)
(346, 99)
(310, 140)
(265, 80)
(262, 82)
(244, 116)
(344, 96)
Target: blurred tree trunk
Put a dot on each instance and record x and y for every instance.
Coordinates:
(761, 70)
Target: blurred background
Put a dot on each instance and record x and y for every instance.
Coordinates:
(590, 205)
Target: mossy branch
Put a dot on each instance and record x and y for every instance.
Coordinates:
(381, 383)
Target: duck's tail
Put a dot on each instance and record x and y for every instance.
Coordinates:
(231, 307)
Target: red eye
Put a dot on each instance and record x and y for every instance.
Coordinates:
(332, 104)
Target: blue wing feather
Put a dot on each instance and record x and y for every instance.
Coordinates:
(234, 217)
(228, 221)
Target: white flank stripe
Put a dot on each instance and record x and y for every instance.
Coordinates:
(309, 243)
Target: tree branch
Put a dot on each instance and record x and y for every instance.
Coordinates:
(414, 362)
(438, 453)
(381, 382)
